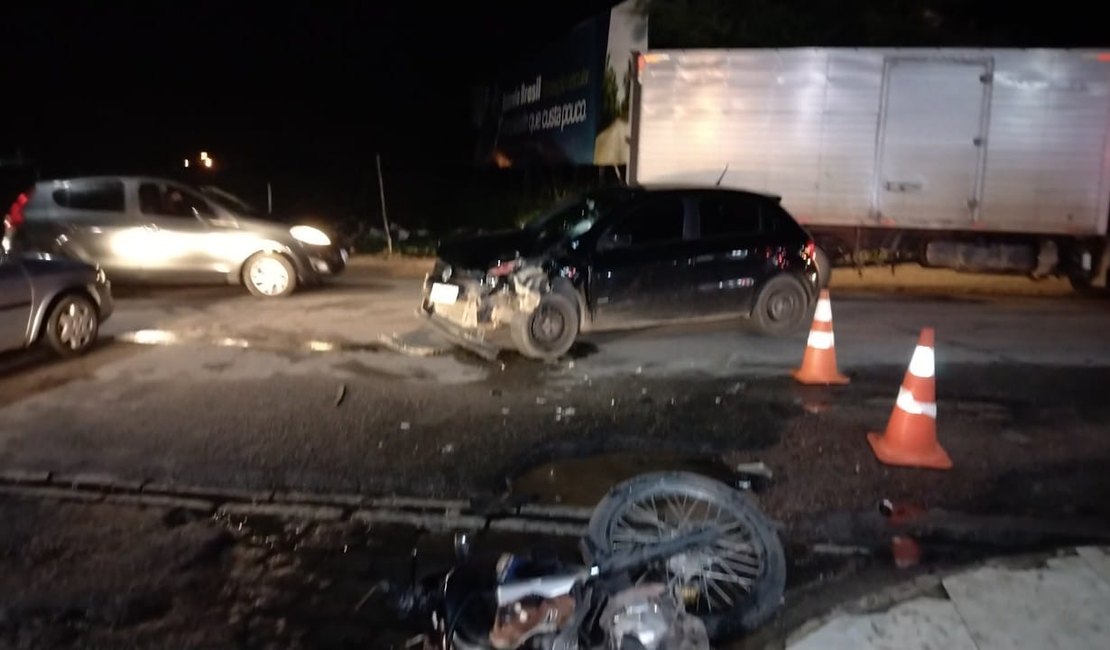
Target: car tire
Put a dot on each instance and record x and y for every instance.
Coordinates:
(781, 307)
(824, 268)
(269, 275)
(549, 330)
(72, 325)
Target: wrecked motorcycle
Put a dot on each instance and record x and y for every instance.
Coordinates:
(672, 560)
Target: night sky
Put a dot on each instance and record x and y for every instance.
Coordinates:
(305, 93)
(106, 84)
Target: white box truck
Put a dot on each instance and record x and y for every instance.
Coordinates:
(990, 160)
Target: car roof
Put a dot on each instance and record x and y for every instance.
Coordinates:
(677, 187)
(110, 177)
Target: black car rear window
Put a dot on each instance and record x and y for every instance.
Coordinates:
(725, 215)
(778, 220)
(104, 195)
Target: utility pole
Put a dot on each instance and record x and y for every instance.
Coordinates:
(381, 192)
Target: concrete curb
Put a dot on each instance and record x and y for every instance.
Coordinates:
(911, 588)
(233, 503)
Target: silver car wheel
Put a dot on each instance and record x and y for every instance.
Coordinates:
(77, 326)
(269, 276)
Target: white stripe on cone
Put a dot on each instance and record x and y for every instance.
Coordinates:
(824, 311)
(921, 365)
(907, 403)
(820, 340)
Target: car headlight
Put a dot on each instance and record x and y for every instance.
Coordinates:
(101, 276)
(309, 235)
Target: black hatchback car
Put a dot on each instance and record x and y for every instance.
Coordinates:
(625, 257)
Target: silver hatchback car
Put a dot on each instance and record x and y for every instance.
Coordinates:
(61, 302)
(141, 229)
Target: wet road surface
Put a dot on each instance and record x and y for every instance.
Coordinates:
(301, 394)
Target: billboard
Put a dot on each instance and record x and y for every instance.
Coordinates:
(569, 103)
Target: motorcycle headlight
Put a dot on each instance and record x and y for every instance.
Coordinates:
(309, 235)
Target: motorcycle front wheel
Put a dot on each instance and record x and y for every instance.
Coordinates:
(734, 584)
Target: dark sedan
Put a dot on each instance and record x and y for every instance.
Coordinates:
(58, 301)
(624, 257)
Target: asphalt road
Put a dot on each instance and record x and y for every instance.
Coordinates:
(299, 393)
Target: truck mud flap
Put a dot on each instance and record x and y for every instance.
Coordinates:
(461, 337)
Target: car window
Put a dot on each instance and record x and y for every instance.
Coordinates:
(723, 216)
(655, 222)
(169, 201)
(777, 220)
(106, 195)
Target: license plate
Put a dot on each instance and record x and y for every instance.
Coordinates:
(444, 294)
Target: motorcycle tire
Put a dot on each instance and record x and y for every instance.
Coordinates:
(766, 591)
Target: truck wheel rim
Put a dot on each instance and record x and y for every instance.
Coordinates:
(76, 326)
(269, 276)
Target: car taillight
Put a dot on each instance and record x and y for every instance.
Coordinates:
(15, 213)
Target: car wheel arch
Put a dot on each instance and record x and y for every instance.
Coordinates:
(565, 287)
(38, 319)
(272, 248)
(800, 277)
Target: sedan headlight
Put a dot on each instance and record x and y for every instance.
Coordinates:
(309, 235)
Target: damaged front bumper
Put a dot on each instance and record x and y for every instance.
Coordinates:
(466, 321)
(480, 308)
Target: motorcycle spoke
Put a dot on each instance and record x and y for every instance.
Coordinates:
(630, 536)
(644, 516)
(721, 592)
(717, 576)
(745, 582)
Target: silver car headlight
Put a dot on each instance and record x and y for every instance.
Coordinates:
(309, 235)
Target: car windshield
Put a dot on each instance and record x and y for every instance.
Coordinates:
(229, 201)
(571, 218)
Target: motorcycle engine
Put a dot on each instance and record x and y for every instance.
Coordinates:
(647, 617)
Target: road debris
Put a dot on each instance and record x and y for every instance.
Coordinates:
(757, 468)
(405, 426)
(844, 550)
(449, 448)
(340, 394)
(906, 551)
(410, 347)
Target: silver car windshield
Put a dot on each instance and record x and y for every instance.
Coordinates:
(229, 201)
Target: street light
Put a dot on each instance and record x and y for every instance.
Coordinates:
(208, 163)
(186, 163)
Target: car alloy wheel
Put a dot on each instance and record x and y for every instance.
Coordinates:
(269, 276)
(77, 325)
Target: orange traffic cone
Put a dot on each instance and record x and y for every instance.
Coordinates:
(819, 362)
(911, 435)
